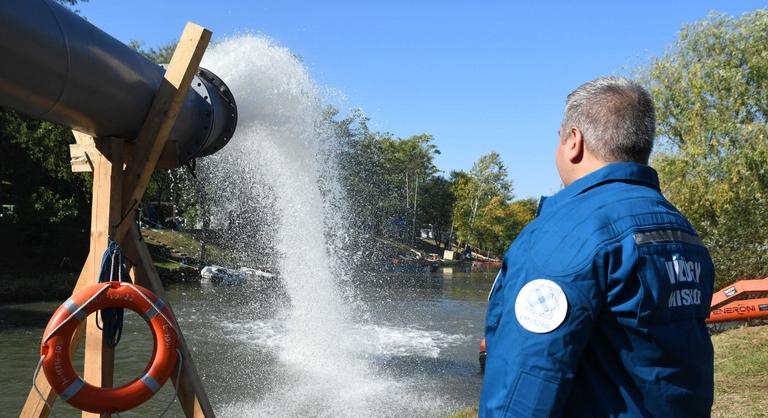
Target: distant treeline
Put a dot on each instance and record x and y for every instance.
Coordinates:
(394, 189)
(711, 93)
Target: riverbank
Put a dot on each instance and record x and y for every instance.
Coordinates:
(37, 274)
(741, 373)
(36, 286)
(41, 270)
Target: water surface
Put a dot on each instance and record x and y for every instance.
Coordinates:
(416, 335)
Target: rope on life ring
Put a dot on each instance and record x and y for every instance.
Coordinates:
(56, 355)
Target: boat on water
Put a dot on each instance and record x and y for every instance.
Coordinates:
(220, 275)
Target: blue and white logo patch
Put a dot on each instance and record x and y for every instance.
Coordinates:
(541, 306)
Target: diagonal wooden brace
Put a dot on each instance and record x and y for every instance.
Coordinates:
(194, 401)
(161, 118)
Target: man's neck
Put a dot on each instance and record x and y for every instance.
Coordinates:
(585, 166)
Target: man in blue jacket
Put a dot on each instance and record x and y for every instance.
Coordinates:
(599, 307)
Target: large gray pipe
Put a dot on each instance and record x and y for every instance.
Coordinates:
(56, 66)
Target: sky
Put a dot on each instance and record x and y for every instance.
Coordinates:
(479, 76)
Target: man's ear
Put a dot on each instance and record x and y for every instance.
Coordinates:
(574, 145)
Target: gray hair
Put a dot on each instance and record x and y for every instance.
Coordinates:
(616, 117)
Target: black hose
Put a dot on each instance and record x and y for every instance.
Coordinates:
(112, 269)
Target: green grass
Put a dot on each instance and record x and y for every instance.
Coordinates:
(741, 372)
(465, 413)
(182, 242)
(172, 271)
(169, 248)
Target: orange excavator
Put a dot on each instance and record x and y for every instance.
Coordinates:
(740, 301)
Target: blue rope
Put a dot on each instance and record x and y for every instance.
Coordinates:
(112, 269)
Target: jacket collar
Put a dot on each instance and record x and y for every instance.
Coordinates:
(623, 172)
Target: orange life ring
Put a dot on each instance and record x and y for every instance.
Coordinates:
(55, 348)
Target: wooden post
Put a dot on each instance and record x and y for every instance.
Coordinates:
(107, 159)
(192, 395)
(162, 115)
(105, 216)
(117, 190)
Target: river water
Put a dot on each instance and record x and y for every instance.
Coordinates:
(418, 338)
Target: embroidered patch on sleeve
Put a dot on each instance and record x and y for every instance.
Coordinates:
(541, 306)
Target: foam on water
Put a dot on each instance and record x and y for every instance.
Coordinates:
(279, 155)
(372, 340)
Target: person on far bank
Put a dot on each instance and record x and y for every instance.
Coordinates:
(599, 307)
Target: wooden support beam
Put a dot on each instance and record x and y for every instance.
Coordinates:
(35, 406)
(105, 216)
(82, 162)
(161, 117)
(194, 401)
(80, 158)
(107, 158)
(82, 138)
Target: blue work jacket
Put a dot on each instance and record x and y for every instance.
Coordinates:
(599, 307)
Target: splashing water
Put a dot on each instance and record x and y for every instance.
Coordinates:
(275, 181)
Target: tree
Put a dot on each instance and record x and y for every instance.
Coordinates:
(492, 178)
(711, 95)
(159, 55)
(465, 189)
(35, 172)
(486, 184)
(409, 162)
(383, 176)
(498, 222)
(362, 171)
(436, 206)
